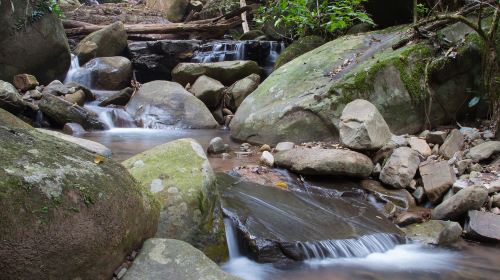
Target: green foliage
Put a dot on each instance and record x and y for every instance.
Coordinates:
(318, 17)
(39, 9)
(422, 10)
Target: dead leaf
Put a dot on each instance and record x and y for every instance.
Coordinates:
(281, 185)
(98, 159)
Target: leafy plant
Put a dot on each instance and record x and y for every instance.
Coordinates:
(39, 9)
(320, 17)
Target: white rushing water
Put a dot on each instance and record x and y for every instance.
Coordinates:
(373, 253)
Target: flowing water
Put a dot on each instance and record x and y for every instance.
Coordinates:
(373, 254)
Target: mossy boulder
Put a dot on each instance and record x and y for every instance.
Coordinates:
(34, 45)
(226, 72)
(64, 214)
(109, 41)
(303, 100)
(298, 48)
(179, 175)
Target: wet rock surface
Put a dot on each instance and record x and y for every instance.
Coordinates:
(435, 232)
(263, 215)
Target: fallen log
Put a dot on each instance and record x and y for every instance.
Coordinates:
(169, 28)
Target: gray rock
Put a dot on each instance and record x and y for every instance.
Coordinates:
(463, 166)
(325, 162)
(284, 146)
(39, 48)
(483, 226)
(217, 146)
(77, 98)
(241, 89)
(401, 167)
(120, 98)
(179, 175)
(267, 159)
(208, 90)
(400, 198)
(408, 218)
(436, 137)
(10, 99)
(470, 198)
(420, 145)
(109, 41)
(484, 151)
(73, 129)
(109, 73)
(362, 127)
(495, 200)
(470, 133)
(437, 178)
(435, 232)
(174, 10)
(168, 259)
(227, 72)
(163, 104)
(61, 112)
(56, 88)
(453, 143)
(91, 146)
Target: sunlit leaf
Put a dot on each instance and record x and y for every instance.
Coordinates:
(281, 185)
(98, 159)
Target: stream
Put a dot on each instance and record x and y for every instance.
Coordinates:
(372, 255)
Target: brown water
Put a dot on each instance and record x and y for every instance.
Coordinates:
(466, 260)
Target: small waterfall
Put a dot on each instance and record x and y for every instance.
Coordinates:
(78, 74)
(264, 53)
(220, 51)
(350, 248)
(232, 242)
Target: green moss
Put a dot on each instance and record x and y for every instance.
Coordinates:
(409, 61)
(298, 48)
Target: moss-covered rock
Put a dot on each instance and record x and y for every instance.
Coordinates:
(179, 175)
(298, 48)
(303, 100)
(64, 212)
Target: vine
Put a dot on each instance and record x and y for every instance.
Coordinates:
(39, 9)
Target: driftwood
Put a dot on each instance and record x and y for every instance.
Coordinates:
(204, 28)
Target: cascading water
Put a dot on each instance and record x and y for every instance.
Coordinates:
(113, 117)
(263, 52)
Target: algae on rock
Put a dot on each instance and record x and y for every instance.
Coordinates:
(180, 176)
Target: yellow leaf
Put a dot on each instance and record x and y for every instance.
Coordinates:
(282, 185)
(98, 159)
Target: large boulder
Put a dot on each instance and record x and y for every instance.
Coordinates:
(109, 41)
(453, 143)
(401, 167)
(470, 198)
(226, 72)
(298, 48)
(173, 9)
(61, 112)
(325, 162)
(10, 99)
(109, 73)
(208, 90)
(64, 213)
(362, 127)
(303, 100)
(168, 259)
(179, 175)
(37, 46)
(161, 104)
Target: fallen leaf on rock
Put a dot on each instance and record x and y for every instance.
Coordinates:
(98, 159)
(281, 185)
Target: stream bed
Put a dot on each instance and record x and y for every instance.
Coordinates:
(465, 260)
